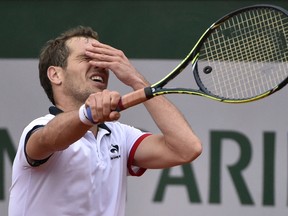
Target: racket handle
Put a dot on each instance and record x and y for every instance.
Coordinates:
(134, 98)
(128, 100)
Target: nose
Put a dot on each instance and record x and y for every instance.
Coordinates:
(100, 70)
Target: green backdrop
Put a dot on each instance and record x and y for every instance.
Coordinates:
(142, 29)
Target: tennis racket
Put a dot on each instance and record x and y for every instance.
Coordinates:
(240, 58)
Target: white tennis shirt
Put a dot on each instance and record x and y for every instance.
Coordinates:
(88, 178)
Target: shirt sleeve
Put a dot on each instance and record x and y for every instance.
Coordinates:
(133, 170)
(28, 130)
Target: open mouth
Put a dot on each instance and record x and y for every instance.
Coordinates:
(97, 79)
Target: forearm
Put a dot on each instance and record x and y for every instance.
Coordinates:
(58, 134)
(64, 129)
(176, 131)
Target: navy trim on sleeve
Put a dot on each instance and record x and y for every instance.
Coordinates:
(33, 163)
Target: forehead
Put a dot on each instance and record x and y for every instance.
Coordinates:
(78, 44)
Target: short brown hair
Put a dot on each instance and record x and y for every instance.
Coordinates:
(55, 53)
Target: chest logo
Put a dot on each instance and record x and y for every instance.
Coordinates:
(114, 152)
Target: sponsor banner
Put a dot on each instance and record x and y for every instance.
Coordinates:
(243, 168)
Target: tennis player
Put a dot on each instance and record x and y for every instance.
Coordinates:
(68, 164)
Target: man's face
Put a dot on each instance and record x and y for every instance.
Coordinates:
(80, 78)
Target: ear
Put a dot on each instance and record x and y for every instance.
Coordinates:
(54, 74)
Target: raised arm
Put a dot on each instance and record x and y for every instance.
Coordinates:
(177, 144)
(66, 128)
(57, 135)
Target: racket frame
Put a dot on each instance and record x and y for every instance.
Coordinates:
(142, 95)
(192, 57)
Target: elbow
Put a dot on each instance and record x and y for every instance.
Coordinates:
(195, 150)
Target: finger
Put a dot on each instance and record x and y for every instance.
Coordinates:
(114, 116)
(104, 49)
(91, 103)
(106, 101)
(101, 50)
(115, 98)
(95, 102)
(99, 107)
(104, 66)
(100, 57)
(98, 44)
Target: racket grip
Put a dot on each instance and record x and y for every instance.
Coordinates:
(134, 98)
(128, 100)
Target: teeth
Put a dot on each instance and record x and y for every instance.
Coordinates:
(97, 78)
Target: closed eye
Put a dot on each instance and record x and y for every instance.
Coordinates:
(84, 58)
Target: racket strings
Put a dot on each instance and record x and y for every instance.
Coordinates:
(247, 54)
(252, 58)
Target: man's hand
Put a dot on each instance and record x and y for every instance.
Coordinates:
(105, 56)
(103, 105)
